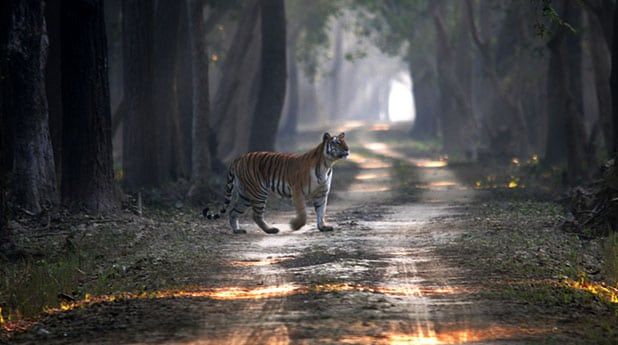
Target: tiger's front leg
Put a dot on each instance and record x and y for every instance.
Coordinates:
(320, 208)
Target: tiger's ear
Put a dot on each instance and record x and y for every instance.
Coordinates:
(341, 135)
(326, 136)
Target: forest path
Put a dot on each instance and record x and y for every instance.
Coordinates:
(376, 279)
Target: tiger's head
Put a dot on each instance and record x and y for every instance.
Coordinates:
(335, 147)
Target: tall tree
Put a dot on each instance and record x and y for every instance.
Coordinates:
(236, 95)
(4, 227)
(614, 82)
(600, 19)
(505, 85)
(167, 140)
(274, 73)
(565, 90)
(458, 124)
(426, 94)
(335, 73)
(201, 162)
(53, 79)
(139, 158)
(5, 20)
(293, 103)
(24, 55)
(87, 169)
(184, 90)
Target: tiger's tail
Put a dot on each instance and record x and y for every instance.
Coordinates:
(229, 188)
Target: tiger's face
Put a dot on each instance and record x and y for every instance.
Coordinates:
(335, 147)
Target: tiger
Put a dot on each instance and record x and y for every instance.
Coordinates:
(303, 177)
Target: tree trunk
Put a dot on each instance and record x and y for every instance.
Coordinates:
(184, 90)
(164, 97)
(291, 120)
(201, 101)
(53, 81)
(602, 71)
(5, 235)
(425, 99)
(24, 55)
(555, 151)
(5, 20)
(87, 170)
(614, 82)
(565, 76)
(505, 110)
(335, 74)
(236, 96)
(274, 74)
(140, 154)
(457, 119)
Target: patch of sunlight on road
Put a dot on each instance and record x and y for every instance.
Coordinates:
(385, 150)
(372, 176)
(277, 336)
(350, 125)
(380, 127)
(457, 336)
(258, 262)
(425, 163)
(367, 163)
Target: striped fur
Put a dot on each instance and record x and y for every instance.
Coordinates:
(302, 177)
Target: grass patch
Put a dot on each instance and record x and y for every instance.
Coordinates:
(32, 286)
(610, 258)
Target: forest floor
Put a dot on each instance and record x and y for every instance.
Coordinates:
(423, 252)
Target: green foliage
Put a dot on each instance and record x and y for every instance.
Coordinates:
(309, 25)
(33, 285)
(394, 25)
(547, 16)
(610, 258)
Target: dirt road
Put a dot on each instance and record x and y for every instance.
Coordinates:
(376, 279)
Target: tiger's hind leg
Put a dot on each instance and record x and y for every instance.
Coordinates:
(258, 217)
(238, 209)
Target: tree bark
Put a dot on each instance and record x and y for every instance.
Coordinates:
(165, 99)
(87, 170)
(457, 119)
(565, 122)
(235, 98)
(600, 19)
(184, 90)
(424, 91)
(53, 82)
(614, 82)
(5, 20)
(5, 235)
(24, 56)
(335, 74)
(274, 74)
(140, 154)
(201, 101)
(291, 120)
(507, 104)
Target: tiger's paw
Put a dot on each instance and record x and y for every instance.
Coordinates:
(297, 223)
(325, 228)
(240, 231)
(271, 230)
